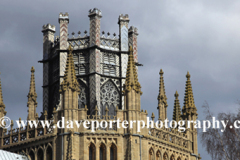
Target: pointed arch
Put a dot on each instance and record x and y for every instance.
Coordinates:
(172, 157)
(102, 152)
(31, 155)
(92, 152)
(151, 154)
(158, 155)
(178, 158)
(49, 153)
(165, 156)
(113, 152)
(83, 96)
(40, 154)
(110, 97)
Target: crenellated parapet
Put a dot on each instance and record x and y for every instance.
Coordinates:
(48, 27)
(170, 137)
(123, 20)
(63, 17)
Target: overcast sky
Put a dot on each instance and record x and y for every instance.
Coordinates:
(199, 36)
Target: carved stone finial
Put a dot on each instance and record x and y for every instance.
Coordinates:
(176, 108)
(86, 109)
(153, 116)
(12, 123)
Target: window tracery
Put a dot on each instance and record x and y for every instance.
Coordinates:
(110, 98)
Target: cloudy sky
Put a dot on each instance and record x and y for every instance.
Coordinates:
(199, 36)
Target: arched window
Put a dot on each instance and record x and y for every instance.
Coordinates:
(40, 154)
(109, 97)
(151, 154)
(158, 155)
(165, 156)
(113, 152)
(92, 152)
(179, 158)
(49, 153)
(31, 155)
(102, 152)
(172, 157)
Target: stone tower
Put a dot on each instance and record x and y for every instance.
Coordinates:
(94, 77)
(100, 63)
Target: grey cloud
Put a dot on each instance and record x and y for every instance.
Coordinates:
(178, 36)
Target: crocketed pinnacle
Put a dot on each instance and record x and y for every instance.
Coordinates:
(177, 108)
(32, 95)
(2, 105)
(70, 79)
(189, 106)
(162, 98)
(132, 77)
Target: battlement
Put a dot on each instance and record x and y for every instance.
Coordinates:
(63, 16)
(95, 11)
(123, 17)
(133, 30)
(48, 27)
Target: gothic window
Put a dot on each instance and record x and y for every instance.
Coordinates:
(92, 152)
(102, 152)
(109, 64)
(158, 155)
(110, 98)
(113, 152)
(40, 154)
(49, 153)
(31, 155)
(151, 154)
(82, 97)
(165, 156)
(172, 157)
(179, 158)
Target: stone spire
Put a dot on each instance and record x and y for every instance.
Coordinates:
(177, 108)
(2, 105)
(189, 112)
(189, 107)
(32, 97)
(70, 79)
(131, 76)
(162, 98)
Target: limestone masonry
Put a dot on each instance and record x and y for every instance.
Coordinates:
(95, 77)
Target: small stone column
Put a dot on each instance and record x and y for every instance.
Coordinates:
(63, 21)
(95, 60)
(48, 38)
